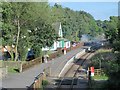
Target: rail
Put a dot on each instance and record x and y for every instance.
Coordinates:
(71, 87)
(37, 84)
(85, 56)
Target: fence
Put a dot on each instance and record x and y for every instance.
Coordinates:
(29, 64)
(56, 54)
(47, 71)
(22, 66)
(3, 72)
(38, 82)
(60, 51)
(99, 71)
(77, 46)
(11, 64)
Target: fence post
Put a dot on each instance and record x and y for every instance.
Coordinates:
(21, 67)
(6, 70)
(39, 84)
(44, 76)
(34, 86)
(41, 60)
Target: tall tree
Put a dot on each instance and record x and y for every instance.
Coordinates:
(20, 19)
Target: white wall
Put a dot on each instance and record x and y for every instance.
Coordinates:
(57, 44)
(52, 48)
(67, 44)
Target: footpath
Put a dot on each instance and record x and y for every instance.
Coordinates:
(26, 78)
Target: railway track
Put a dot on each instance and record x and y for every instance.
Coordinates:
(77, 65)
(70, 78)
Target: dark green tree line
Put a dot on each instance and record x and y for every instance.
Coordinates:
(112, 31)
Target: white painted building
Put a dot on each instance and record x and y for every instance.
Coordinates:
(61, 42)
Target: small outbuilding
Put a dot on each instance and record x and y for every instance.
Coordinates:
(60, 42)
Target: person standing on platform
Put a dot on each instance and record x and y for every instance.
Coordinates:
(65, 50)
(46, 58)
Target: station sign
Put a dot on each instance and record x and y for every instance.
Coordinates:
(92, 71)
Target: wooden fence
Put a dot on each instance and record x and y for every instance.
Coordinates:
(22, 66)
(11, 64)
(99, 71)
(29, 64)
(56, 54)
(60, 51)
(3, 72)
(77, 46)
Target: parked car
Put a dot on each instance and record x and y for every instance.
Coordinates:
(6, 56)
(30, 55)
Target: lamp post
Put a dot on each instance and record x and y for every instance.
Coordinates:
(101, 62)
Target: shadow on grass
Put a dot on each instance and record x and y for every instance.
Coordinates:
(13, 70)
(16, 70)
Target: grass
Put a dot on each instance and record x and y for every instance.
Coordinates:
(100, 77)
(9, 69)
(11, 66)
(44, 84)
(13, 70)
(98, 82)
(103, 50)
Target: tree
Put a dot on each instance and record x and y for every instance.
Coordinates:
(16, 18)
(110, 28)
(20, 19)
(74, 23)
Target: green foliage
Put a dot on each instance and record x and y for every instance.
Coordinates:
(100, 77)
(113, 34)
(110, 64)
(25, 25)
(110, 28)
(74, 23)
(45, 82)
(13, 70)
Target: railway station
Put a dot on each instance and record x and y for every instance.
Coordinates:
(58, 44)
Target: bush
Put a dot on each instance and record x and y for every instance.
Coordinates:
(44, 83)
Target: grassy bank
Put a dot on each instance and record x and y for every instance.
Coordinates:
(102, 60)
(100, 77)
